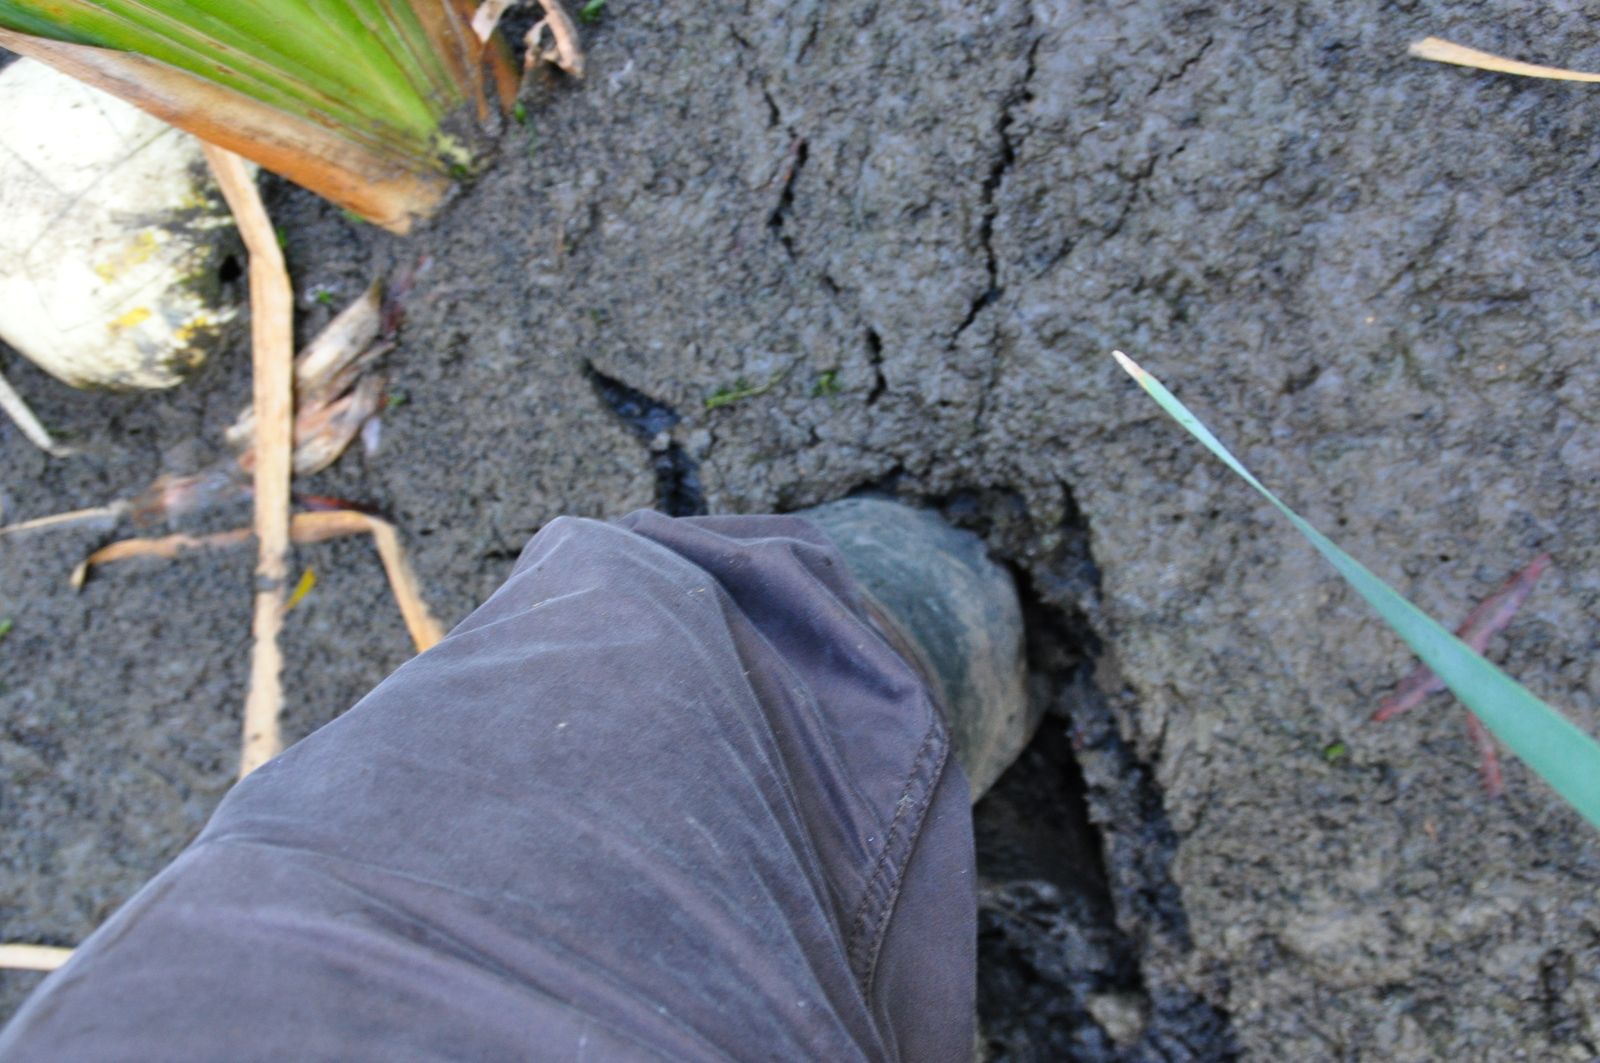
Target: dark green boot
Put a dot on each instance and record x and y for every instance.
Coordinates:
(952, 613)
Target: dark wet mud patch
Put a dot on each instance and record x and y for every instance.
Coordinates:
(1065, 907)
(678, 491)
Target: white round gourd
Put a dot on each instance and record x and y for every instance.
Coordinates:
(111, 236)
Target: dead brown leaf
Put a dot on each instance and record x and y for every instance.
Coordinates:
(564, 50)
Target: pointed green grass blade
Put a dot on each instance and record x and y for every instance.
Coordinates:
(1566, 757)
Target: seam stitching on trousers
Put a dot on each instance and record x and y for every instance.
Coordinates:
(863, 946)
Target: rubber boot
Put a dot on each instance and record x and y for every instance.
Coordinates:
(952, 613)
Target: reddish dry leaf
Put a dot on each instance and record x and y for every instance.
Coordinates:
(1482, 624)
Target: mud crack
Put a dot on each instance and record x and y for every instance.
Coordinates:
(780, 217)
(1183, 67)
(678, 491)
(989, 197)
(794, 162)
(875, 358)
(794, 159)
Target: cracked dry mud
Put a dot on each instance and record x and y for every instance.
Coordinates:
(917, 229)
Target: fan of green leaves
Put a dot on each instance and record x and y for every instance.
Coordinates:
(364, 67)
(1566, 757)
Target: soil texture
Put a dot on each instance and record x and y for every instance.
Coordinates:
(772, 253)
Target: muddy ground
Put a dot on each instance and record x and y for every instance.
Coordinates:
(916, 230)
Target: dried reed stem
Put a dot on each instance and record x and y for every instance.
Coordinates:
(305, 528)
(272, 360)
(1442, 51)
(32, 957)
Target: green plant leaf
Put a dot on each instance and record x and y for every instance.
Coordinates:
(364, 68)
(1564, 756)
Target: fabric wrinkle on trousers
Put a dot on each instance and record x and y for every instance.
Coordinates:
(666, 795)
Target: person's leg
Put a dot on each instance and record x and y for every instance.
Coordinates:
(952, 613)
(665, 796)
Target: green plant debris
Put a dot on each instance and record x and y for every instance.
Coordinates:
(827, 385)
(351, 216)
(5, 627)
(519, 112)
(1334, 752)
(740, 390)
(590, 12)
(598, 316)
(1561, 753)
(394, 400)
(372, 70)
(324, 296)
(283, 237)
